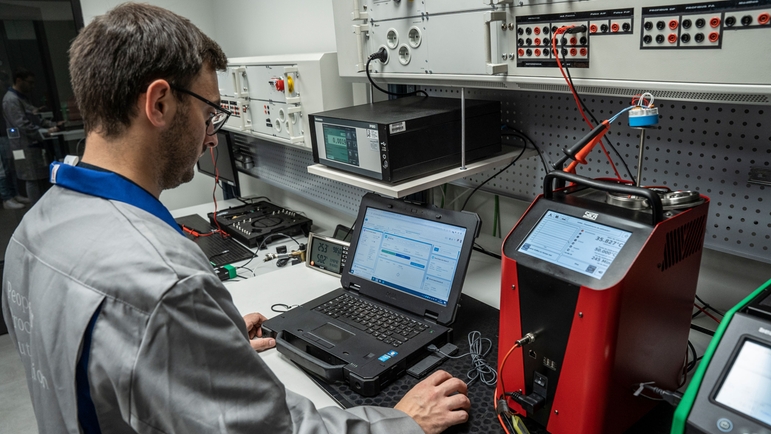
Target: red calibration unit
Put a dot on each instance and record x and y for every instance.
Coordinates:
(604, 275)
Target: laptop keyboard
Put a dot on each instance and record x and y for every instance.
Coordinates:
(384, 324)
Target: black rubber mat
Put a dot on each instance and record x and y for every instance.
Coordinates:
(475, 315)
(472, 315)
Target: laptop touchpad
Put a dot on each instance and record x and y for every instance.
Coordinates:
(332, 333)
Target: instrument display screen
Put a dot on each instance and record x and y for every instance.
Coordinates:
(747, 387)
(340, 144)
(580, 245)
(327, 254)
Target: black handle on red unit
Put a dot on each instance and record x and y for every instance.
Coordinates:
(653, 198)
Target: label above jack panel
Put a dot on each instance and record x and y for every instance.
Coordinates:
(534, 35)
(702, 25)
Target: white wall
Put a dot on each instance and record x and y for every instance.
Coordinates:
(200, 12)
(266, 27)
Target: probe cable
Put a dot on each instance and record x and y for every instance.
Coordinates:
(684, 373)
(214, 159)
(594, 119)
(480, 370)
(496, 174)
(513, 132)
(481, 249)
(706, 313)
(262, 244)
(696, 358)
(583, 147)
(349, 231)
(708, 306)
(219, 230)
(561, 31)
(502, 402)
(501, 398)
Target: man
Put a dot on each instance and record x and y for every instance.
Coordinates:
(121, 324)
(28, 135)
(8, 193)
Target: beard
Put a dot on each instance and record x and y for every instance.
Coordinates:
(178, 154)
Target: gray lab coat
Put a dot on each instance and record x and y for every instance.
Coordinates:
(19, 113)
(169, 352)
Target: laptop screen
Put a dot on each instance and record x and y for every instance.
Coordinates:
(413, 255)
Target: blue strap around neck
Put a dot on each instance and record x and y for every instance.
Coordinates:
(111, 186)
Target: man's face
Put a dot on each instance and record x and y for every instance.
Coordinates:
(186, 139)
(27, 85)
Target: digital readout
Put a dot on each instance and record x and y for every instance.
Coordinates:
(326, 256)
(576, 244)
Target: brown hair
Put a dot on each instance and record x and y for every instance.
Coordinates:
(119, 54)
(21, 74)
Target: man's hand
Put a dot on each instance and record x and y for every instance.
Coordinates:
(253, 327)
(52, 130)
(437, 403)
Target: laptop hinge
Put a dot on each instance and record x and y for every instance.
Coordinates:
(431, 317)
(354, 287)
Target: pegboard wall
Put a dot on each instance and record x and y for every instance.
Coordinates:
(705, 147)
(286, 167)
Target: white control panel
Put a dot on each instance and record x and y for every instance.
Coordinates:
(269, 97)
(700, 51)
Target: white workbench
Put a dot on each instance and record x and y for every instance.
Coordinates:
(297, 284)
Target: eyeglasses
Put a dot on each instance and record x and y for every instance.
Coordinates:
(214, 123)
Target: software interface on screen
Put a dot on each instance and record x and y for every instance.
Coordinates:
(340, 144)
(576, 244)
(224, 163)
(747, 387)
(415, 256)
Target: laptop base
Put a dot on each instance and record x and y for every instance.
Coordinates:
(366, 370)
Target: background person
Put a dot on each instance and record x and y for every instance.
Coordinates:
(21, 114)
(8, 193)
